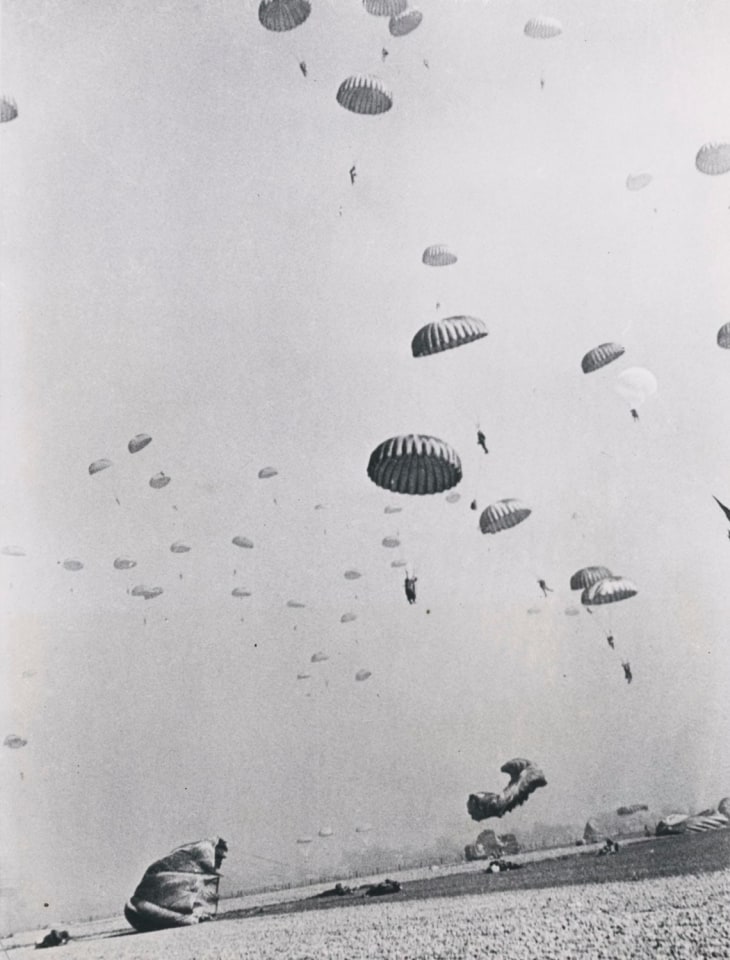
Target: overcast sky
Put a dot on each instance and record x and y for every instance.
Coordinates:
(184, 255)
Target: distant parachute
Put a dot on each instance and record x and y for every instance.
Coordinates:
(159, 481)
(414, 464)
(363, 675)
(72, 565)
(525, 778)
(399, 563)
(447, 334)
(534, 610)
(348, 617)
(352, 574)
(699, 823)
(438, 256)
(153, 592)
(723, 336)
(364, 828)
(600, 356)
(636, 385)
(325, 832)
(365, 95)
(502, 515)
(608, 590)
(241, 592)
(572, 612)
(295, 604)
(8, 109)
(14, 742)
(453, 497)
(391, 542)
(280, 15)
(319, 657)
(124, 563)
(243, 542)
(266, 472)
(393, 509)
(406, 22)
(632, 808)
(713, 159)
(13, 551)
(304, 676)
(638, 181)
(543, 28)
(385, 8)
(587, 576)
(179, 547)
(149, 593)
(98, 465)
(139, 442)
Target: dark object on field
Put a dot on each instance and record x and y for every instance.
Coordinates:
(55, 938)
(500, 866)
(337, 891)
(525, 778)
(381, 889)
(488, 845)
(610, 846)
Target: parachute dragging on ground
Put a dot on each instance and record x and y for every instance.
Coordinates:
(281, 15)
(525, 778)
(179, 890)
(699, 823)
(447, 334)
(414, 464)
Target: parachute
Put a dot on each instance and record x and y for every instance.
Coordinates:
(362, 675)
(139, 442)
(8, 109)
(179, 547)
(14, 742)
(295, 604)
(13, 551)
(280, 15)
(179, 890)
(352, 575)
(699, 823)
(608, 590)
(453, 497)
(543, 28)
(713, 159)
(414, 464)
(365, 95)
(638, 181)
(348, 617)
(398, 563)
(447, 334)
(632, 808)
(266, 472)
(149, 593)
(124, 563)
(325, 832)
(385, 8)
(159, 481)
(393, 509)
(404, 23)
(391, 542)
(241, 592)
(502, 515)
(600, 356)
(613, 823)
(318, 657)
(636, 385)
(364, 828)
(723, 336)
(304, 676)
(243, 542)
(72, 565)
(98, 465)
(587, 576)
(533, 611)
(438, 256)
(572, 612)
(525, 778)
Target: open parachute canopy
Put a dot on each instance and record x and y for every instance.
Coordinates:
(348, 617)
(406, 22)
(414, 464)
(502, 515)
(362, 675)
(124, 563)
(149, 593)
(390, 509)
(98, 465)
(723, 336)
(179, 547)
(385, 8)
(14, 742)
(636, 385)
(8, 109)
(438, 255)
(11, 550)
(366, 95)
(318, 657)
(295, 604)
(631, 808)
(325, 832)
(139, 442)
(637, 181)
(446, 334)
(608, 590)
(281, 15)
(390, 542)
(543, 28)
(241, 592)
(525, 778)
(179, 890)
(713, 159)
(587, 576)
(265, 473)
(72, 565)
(159, 481)
(599, 356)
(243, 542)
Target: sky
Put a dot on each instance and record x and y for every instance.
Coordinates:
(184, 255)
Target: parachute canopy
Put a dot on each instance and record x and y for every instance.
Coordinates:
(525, 778)
(446, 334)
(414, 464)
(8, 109)
(266, 472)
(243, 542)
(14, 741)
(608, 590)
(405, 23)
(179, 890)
(631, 808)
(713, 159)
(347, 617)
(159, 481)
(453, 497)
(295, 604)
(723, 336)
(352, 574)
(502, 515)
(599, 356)
(124, 563)
(98, 465)
(241, 592)
(179, 547)
(72, 565)
(363, 674)
(319, 657)
(636, 385)
(326, 832)
(438, 255)
(390, 509)
(139, 442)
(303, 676)
(543, 28)
(280, 15)
(385, 8)
(12, 551)
(637, 181)
(391, 542)
(612, 824)
(149, 593)
(587, 576)
(366, 95)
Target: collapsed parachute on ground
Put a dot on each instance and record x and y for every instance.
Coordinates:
(179, 547)
(677, 823)
(438, 255)
(543, 28)
(179, 890)
(385, 8)
(525, 778)
(612, 824)
(243, 542)
(139, 442)
(587, 576)
(415, 464)
(281, 15)
(723, 336)
(600, 356)
(637, 181)
(159, 481)
(406, 22)
(124, 563)
(72, 565)
(502, 515)
(14, 742)
(8, 109)
(362, 675)
(304, 676)
(631, 808)
(608, 590)
(390, 542)
(447, 334)
(364, 95)
(98, 465)
(266, 472)
(348, 617)
(352, 574)
(713, 159)
(12, 551)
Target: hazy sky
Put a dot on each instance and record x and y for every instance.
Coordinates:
(184, 255)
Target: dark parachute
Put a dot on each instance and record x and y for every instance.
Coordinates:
(438, 255)
(723, 336)
(366, 95)
(502, 515)
(159, 481)
(362, 675)
(8, 109)
(14, 741)
(281, 15)
(243, 542)
(587, 576)
(608, 590)
(98, 465)
(385, 8)
(447, 334)
(139, 442)
(632, 808)
(265, 473)
(414, 464)
(525, 778)
(405, 23)
(599, 356)
(124, 563)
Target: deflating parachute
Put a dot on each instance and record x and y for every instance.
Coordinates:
(391, 542)
(438, 256)
(280, 15)
(243, 542)
(600, 356)
(447, 334)
(159, 481)
(318, 657)
(98, 465)
(713, 159)
(638, 181)
(587, 576)
(502, 515)
(241, 592)
(414, 464)
(385, 8)
(543, 28)
(179, 890)
(366, 95)
(525, 778)
(608, 590)
(8, 109)
(139, 442)
(124, 563)
(405, 22)
(723, 336)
